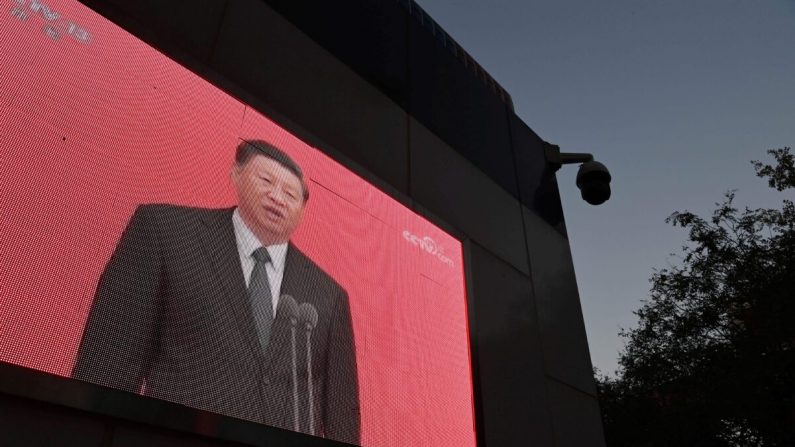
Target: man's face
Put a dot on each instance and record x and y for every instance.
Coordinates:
(270, 198)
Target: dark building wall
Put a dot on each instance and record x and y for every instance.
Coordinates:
(369, 84)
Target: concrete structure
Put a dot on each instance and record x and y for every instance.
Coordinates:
(377, 85)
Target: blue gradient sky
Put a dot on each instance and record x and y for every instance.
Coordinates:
(675, 97)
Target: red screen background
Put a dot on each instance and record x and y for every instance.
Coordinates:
(91, 128)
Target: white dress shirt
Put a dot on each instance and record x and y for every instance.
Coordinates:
(247, 242)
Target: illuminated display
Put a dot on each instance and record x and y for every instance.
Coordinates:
(134, 197)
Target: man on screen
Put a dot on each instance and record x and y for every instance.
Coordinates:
(194, 307)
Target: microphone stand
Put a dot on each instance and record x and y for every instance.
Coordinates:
(296, 414)
(291, 308)
(309, 380)
(308, 315)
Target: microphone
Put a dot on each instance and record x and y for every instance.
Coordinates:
(292, 312)
(308, 317)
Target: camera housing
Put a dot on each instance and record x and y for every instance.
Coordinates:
(593, 179)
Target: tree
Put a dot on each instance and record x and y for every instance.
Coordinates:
(712, 359)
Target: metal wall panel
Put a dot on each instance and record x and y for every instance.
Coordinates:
(28, 423)
(566, 355)
(267, 56)
(458, 107)
(507, 352)
(453, 188)
(575, 417)
(367, 35)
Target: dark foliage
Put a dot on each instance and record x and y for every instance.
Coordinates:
(712, 359)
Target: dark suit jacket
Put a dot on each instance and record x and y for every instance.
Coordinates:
(171, 318)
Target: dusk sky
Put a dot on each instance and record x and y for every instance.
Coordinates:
(675, 97)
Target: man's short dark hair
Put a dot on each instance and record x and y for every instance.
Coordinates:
(249, 148)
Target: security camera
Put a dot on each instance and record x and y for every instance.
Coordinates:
(593, 179)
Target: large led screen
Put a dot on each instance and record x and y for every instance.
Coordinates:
(161, 237)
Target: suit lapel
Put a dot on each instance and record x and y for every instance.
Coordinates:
(294, 280)
(218, 237)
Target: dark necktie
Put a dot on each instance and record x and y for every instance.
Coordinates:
(259, 292)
